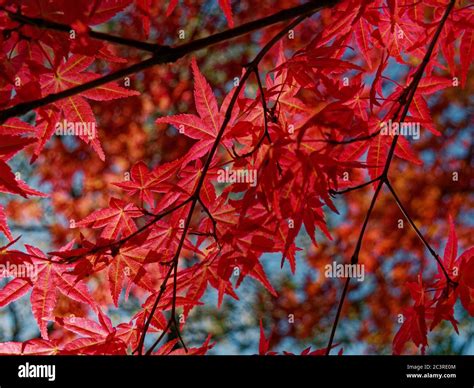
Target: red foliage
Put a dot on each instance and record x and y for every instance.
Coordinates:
(248, 172)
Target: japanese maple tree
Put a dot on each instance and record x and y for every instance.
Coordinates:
(155, 153)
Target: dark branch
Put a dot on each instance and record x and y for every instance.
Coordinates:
(349, 189)
(165, 54)
(51, 25)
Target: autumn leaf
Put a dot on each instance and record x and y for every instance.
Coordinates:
(4, 225)
(50, 278)
(203, 127)
(115, 220)
(76, 109)
(10, 184)
(182, 227)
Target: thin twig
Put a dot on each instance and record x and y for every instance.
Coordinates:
(419, 234)
(349, 189)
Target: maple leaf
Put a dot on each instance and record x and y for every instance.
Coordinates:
(196, 280)
(414, 322)
(106, 10)
(419, 109)
(115, 220)
(49, 278)
(72, 73)
(378, 152)
(413, 328)
(76, 109)
(12, 145)
(46, 127)
(14, 290)
(16, 127)
(264, 343)
(451, 248)
(362, 31)
(139, 183)
(36, 347)
(130, 262)
(171, 6)
(200, 351)
(225, 6)
(143, 7)
(203, 127)
(145, 182)
(95, 338)
(460, 269)
(466, 51)
(4, 225)
(316, 352)
(466, 283)
(291, 129)
(167, 349)
(399, 34)
(10, 184)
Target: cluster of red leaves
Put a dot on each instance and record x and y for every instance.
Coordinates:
(431, 308)
(297, 142)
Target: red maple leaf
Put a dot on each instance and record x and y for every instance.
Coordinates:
(115, 220)
(76, 109)
(203, 127)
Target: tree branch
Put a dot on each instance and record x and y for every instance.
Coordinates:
(165, 54)
(60, 27)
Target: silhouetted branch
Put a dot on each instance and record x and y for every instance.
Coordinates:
(165, 54)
